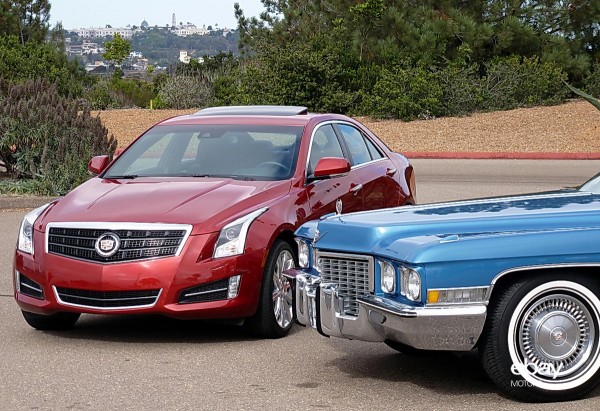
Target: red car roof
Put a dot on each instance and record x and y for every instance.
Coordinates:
(297, 120)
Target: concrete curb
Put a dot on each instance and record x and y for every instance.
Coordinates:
(500, 155)
(22, 202)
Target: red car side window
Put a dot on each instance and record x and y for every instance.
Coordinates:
(324, 144)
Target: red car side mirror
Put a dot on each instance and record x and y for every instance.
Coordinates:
(97, 164)
(331, 166)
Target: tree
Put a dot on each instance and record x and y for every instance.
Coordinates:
(117, 50)
(20, 62)
(26, 19)
(431, 32)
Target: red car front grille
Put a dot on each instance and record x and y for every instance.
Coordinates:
(134, 244)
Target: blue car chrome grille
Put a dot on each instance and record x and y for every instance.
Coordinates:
(351, 273)
(107, 299)
(80, 243)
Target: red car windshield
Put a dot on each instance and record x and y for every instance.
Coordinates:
(245, 152)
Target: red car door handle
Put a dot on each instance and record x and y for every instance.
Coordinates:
(356, 188)
(391, 171)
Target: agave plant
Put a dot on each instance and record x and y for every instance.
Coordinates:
(585, 95)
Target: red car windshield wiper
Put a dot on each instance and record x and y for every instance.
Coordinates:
(123, 177)
(234, 177)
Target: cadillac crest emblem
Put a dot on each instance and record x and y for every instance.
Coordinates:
(107, 244)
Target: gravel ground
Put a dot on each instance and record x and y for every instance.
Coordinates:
(573, 127)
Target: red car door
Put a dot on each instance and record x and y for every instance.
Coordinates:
(371, 169)
(323, 195)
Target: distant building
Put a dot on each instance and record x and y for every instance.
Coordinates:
(73, 49)
(184, 30)
(181, 29)
(97, 67)
(141, 64)
(91, 48)
(87, 33)
(184, 57)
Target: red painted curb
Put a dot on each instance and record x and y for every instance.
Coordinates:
(502, 155)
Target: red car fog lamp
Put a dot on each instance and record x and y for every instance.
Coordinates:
(234, 286)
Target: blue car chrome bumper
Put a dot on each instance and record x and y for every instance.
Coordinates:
(450, 328)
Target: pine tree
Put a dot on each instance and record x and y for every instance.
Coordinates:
(26, 19)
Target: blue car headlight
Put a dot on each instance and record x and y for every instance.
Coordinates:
(411, 284)
(388, 277)
(303, 253)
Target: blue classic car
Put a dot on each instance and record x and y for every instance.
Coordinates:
(517, 278)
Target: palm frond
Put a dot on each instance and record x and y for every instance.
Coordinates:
(584, 95)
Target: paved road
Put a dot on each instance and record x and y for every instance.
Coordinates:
(142, 363)
(443, 180)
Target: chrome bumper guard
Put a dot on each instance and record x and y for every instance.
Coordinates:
(449, 328)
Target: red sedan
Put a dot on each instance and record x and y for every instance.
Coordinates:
(195, 219)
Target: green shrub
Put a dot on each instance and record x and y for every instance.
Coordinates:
(119, 93)
(461, 90)
(513, 82)
(135, 93)
(158, 79)
(294, 73)
(102, 96)
(404, 93)
(227, 89)
(591, 82)
(46, 139)
(182, 92)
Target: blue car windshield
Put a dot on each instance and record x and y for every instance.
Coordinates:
(245, 152)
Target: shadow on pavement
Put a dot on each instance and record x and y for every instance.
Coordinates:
(155, 329)
(444, 372)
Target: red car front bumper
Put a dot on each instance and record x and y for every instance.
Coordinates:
(168, 276)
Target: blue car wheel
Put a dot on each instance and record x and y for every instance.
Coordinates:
(541, 340)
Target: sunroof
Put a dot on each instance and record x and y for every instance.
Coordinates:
(253, 111)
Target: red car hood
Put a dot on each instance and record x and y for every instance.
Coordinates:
(207, 203)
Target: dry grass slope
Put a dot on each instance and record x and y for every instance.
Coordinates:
(573, 127)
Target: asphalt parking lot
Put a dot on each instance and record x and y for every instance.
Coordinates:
(141, 363)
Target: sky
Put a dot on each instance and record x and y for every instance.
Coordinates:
(118, 13)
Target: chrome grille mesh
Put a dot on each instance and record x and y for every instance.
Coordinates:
(136, 242)
(352, 273)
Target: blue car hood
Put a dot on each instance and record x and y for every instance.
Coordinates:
(409, 233)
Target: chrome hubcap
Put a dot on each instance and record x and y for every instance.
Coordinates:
(556, 337)
(282, 290)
